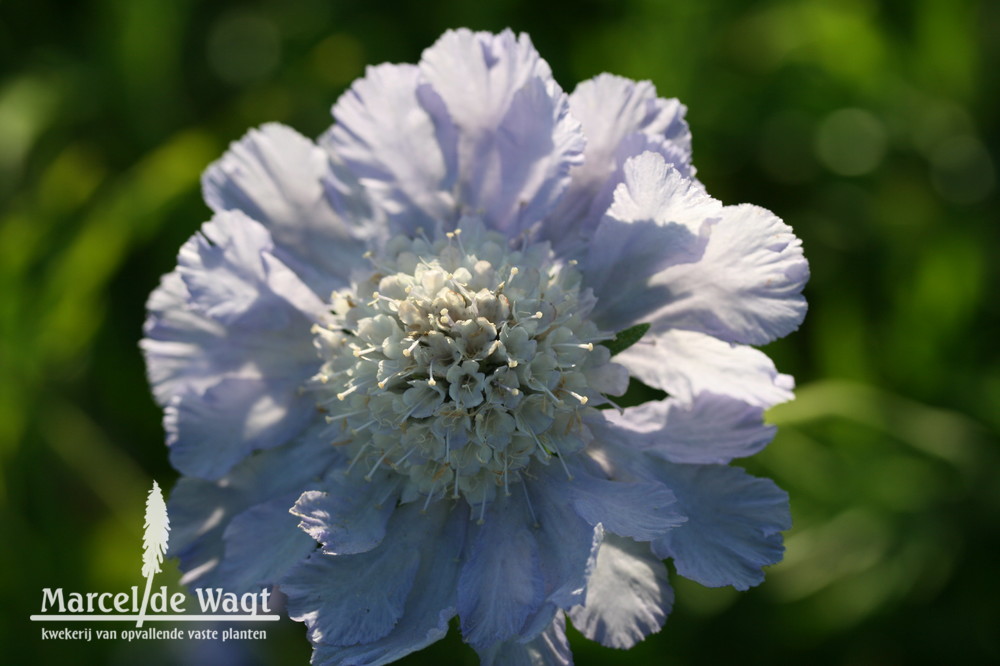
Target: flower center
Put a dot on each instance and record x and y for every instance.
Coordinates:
(459, 362)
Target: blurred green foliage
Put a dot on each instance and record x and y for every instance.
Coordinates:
(869, 126)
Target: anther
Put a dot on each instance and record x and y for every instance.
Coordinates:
(409, 350)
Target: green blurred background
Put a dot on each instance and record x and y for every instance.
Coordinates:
(868, 126)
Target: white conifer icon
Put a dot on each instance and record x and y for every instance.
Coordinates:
(154, 542)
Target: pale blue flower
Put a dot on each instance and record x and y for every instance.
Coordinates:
(384, 379)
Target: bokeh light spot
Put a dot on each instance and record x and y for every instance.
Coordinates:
(851, 142)
(243, 48)
(961, 170)
(338, 59)
(784, 148)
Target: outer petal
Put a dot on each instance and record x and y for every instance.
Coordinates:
(567, 543)
(502, 584)
(209, 432)
(228, 346)
(567, 548)
(747, 287)
(230, 308)
(516, 140)
(549, 648)
(350, 514)
(640, 510)
(685, 364)
(183, 348)
(262, 544)
(620, 118)
(349, 599)
(438, 537)
(396, 143)
(711, 429)
(201, 511)
(739, 276)
(611, 108)
(477, 74)
(659, 219)
(578, 242)
(275, 175)
(628, 595)
(734, 524)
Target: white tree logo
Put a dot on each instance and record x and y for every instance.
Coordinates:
(154, 542)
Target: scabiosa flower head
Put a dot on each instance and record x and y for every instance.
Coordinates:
(390, 364)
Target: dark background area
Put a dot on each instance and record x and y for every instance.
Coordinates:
(868, 126)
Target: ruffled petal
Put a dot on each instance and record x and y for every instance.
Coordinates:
(710, 429)
(621, 119)
(228, 346)
(640, 510)
(611, 108)
(349, 599)
(738, 275)
(230, 308)
(734, 524)
(746, 288)
(209, 432)
(201, 511)
(275, 175)
(184, 350)
(350, 514)
(438, 536)
(628, 595)
(502, 583)
(578, 242)
(477, 74)
(567, 544)
(659, 219)
(398, 142)
(549, 648)
(686, 364)
(567, 549)
(261, 545)
(515, 139)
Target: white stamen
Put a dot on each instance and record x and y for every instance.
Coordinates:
(531, 509)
